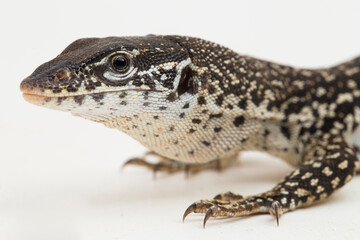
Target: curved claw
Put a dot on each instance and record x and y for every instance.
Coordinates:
(276, 211)
(189, 210)
(130, 161)
(207, 216)
(137, 161)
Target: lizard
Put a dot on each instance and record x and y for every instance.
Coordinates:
(196, 104)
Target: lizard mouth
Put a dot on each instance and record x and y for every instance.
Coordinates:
(43, 99)
(40, 100)
(29, 97)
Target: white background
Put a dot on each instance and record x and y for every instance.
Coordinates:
(59, 175)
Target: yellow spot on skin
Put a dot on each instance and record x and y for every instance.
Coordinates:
(320, 92)
(292, 204)
(314, 182)
(335, 182)
(343, 164)
(348, 178)
(335, 155)
(316, 164)
(351, 84)
(333, 147)
(357, 164)
(291, 184)
(327, 171)
(323, 195)
(296, 172)
(306, 175)
(349, 150)
(310, 200)
(319, 189)
(337, 140)
(351, 71)
(356, 93)
(302, 192)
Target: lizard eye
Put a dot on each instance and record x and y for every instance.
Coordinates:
(120, 63)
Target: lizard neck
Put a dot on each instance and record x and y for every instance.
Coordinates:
(207, 139)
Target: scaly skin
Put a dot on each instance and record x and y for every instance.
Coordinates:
(192, 101)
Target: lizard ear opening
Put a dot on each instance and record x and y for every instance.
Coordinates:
(186, 81)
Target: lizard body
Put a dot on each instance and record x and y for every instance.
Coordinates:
(194, 101)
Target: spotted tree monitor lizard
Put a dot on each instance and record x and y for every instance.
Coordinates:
(196, 105)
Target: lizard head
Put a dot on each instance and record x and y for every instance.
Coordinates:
(114, 76)
(143, 86)
(177, 95)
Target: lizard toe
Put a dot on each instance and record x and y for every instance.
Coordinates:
(236, 207)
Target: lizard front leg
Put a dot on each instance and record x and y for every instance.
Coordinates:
(328, 164)
(164, 164)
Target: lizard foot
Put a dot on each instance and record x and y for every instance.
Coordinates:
(233, 205)
(164, 164)
(329, 164)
